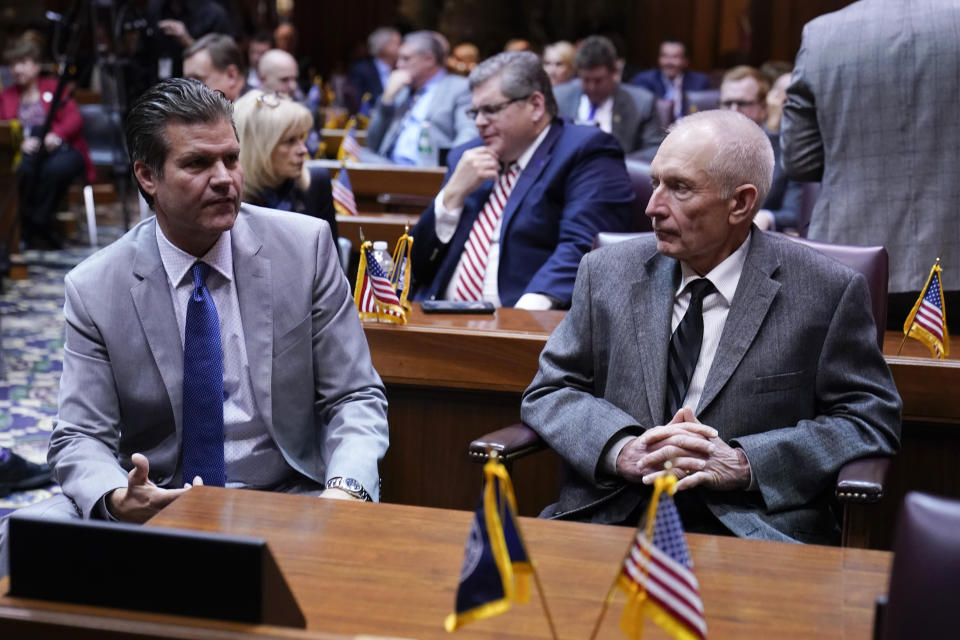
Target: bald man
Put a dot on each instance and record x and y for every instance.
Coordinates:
(747, 361)
(278, 72)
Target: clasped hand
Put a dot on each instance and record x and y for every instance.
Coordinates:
(695, 451)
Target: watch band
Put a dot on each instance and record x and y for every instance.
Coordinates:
(349, 485)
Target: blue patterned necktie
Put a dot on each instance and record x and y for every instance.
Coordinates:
(684, 348)
(202, 450)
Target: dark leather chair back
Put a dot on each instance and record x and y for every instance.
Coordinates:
(872, 262)
(103, 131)
(639, 172)
(925, 578)
(703, 100)
(808, 199)
(664, 110)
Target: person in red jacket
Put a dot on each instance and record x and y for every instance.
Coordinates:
(42, 178)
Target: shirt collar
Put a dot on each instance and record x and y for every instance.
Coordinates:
(725, 276)
(524, 158)
(177, 262)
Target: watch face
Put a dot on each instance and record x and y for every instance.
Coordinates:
(352, 485)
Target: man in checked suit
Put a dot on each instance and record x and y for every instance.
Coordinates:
(521, 204)
(299, 405)
(874, 118)
(759, 407)
(419, 92)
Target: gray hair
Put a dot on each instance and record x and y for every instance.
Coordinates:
(520, 73)
(744, 153)
(172, 101)
(596, 51)
(379, 38)
(428, 42)
(222, 49)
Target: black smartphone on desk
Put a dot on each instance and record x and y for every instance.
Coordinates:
(457, 306)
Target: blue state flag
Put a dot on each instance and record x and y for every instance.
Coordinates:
(496, 567)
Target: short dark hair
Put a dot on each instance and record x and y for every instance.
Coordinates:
(22, 49)
(682, 43)
(223, 51)
(596, 51)
(520, 72)
(171, 101)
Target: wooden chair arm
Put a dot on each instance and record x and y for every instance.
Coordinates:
(510, 443)
(861, 481)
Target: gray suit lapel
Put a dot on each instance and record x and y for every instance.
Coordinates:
(154, 308)
(254, 281)
(651, 314)
(755, 293)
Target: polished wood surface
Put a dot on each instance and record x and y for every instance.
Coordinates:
(373, 182)
(364, 568)
(452, 378)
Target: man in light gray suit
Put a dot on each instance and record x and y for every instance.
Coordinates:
(419, 93)
(597, 97)
(875, 119)
(757, 410)
(300, 408)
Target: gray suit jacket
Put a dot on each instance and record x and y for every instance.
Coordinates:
(876, 116)
(797, 382)
(122, 384)
(635, 124)
(447, 116)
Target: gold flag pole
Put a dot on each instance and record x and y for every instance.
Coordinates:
(906, 332)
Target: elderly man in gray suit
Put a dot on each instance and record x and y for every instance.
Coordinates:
(215, 343)
(419, 95)
(875, 119)
(598, 97)
(747, 361)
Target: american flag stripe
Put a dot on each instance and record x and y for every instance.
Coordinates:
(674, 590)
(351, 147)
(676, 608)
(683, 576)
(930, 318)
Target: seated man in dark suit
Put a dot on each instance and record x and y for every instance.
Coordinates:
(672, 80)
(521, 204)
(597, 98)
(747, 361)
(370, 75)
(744, 89)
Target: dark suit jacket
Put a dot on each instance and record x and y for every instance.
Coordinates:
(652, 80)
(785, 195)
(797, 382)
(364, 78)
(575, 185)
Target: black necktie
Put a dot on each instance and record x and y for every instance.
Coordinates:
(685, 347)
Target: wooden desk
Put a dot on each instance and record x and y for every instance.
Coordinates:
(453, 378)
(361, 568)
(388, 187)
(333, 137)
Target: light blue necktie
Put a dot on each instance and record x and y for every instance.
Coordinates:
(202, 451)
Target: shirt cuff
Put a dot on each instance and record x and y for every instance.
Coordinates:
(754, 485)
(102, 511)
(534, 302)
(445, 220)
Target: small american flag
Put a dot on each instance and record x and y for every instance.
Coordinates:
(349, 146)
(658, 578)
(927, 321)
(380, 288)
(343, 200)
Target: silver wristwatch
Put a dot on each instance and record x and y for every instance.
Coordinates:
(349, 485)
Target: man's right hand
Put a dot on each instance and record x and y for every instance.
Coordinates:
(142, 499)
(399, 78)
(687, 439)
(30, 144)
(475, 166)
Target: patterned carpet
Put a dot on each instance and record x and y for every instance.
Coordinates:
(31, 320)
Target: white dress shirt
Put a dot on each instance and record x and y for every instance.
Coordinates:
(601, 115)
(251, 456)
(445, 225)
(406, 149)
(716, 306)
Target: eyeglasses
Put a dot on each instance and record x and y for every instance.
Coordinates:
(491, 110)
(271, 100)
(739, 104)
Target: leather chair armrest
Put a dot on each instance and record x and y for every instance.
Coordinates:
(861, 481)
(510, 443)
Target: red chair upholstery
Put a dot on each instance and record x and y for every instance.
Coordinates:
(925, 578)
(858, 482)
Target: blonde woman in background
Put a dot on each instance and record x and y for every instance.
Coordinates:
(272, 131)
(558, 62)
